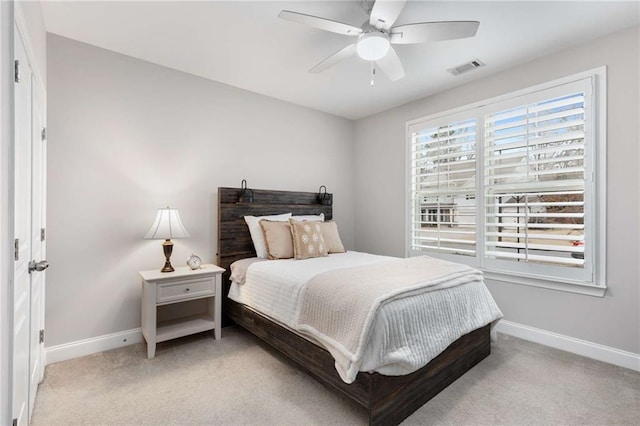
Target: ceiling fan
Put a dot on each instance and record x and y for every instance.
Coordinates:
(376, 36)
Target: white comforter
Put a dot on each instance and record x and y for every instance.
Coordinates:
(407, 333)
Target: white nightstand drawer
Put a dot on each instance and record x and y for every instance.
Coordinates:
(188, 289)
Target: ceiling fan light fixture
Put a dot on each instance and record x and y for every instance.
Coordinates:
(373, 45)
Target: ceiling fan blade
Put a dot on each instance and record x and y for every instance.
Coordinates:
(320, 23)
(334, 59)
(391, 65)
(385, 13)
(423, 32)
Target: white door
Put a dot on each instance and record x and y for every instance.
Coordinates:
(22, 235)
(38, 264)
(28, 284)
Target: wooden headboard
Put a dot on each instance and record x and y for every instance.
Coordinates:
(234, 241)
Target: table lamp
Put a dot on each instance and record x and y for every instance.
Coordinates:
(167, 226)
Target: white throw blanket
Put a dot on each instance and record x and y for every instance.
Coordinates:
(338, 307)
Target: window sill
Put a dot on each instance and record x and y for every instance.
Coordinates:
(588, 290)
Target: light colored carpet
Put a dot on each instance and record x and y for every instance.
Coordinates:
(239, 380)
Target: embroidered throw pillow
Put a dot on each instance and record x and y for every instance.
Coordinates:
(307, 239)
(331, 237)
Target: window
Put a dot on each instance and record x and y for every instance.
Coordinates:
(511, 185)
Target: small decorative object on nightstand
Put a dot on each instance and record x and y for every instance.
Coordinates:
(194, 262)
(182, 285)
(167, 226)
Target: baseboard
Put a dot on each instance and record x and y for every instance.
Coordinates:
(93, 345)
(569, 344)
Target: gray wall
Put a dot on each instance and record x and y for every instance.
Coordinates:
(126, 137)
(380, 191)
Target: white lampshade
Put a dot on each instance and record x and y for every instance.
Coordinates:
(167, 226)
(373, 46)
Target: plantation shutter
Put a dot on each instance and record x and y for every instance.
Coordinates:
(534, 182)
(516, 185)
(443, 178)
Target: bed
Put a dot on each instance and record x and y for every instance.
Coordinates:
(387, 399)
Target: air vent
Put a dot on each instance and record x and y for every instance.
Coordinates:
(476, 63)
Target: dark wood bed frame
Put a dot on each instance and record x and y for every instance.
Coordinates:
(387, 399)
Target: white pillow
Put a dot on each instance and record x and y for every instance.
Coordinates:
(310, 217)
(257, 236)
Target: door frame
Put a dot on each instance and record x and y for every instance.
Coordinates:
(6, 207)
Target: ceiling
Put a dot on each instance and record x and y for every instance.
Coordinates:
(244, 44)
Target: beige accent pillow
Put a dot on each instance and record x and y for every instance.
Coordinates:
(277, 236)
(331, 237)
(307, 239)
(257, 236)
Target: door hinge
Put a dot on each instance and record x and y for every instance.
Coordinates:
(42, 336)
(42, 234)
(43, 135)
(16, 70)
(16, 249)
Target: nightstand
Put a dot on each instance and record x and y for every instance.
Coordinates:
(182, 285)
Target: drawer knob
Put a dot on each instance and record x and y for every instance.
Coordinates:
(187, 289)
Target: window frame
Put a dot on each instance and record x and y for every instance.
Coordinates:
(595, 179)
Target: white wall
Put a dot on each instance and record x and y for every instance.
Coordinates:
(126, 137)
(380, 191)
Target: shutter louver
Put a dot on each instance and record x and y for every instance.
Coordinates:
(534, 167)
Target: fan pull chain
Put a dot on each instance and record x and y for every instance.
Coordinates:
(373, 74)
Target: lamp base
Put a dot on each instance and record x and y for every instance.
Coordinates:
(167, 267)
(167, 248)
